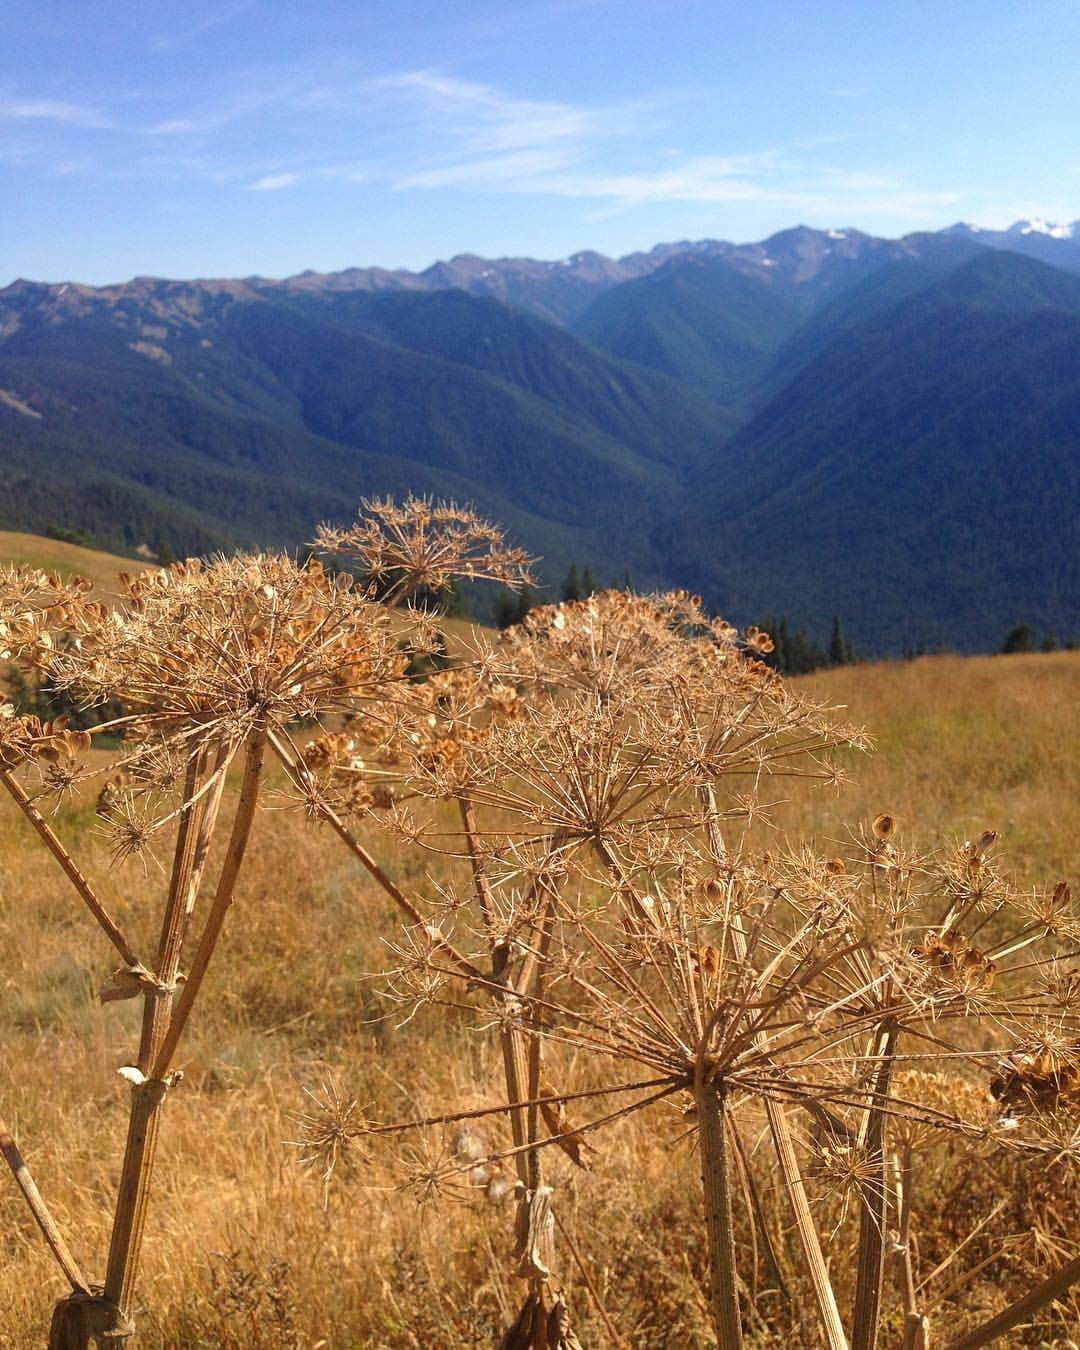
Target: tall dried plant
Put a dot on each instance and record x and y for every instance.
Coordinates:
(595, 779)
(213, 663)
(599, 757)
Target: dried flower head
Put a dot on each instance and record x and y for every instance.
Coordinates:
(32, 604)
(423, 545)
(232, 642)
(1043, 1075)
(330, 1129)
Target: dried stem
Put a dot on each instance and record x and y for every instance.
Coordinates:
(71, 871)
(795, 1187)
(1039, 1297)
(790, 1172)
(147, 1097)
(158, 1001)
(284, 752)
(481, 884)
(874, 1201)
(916, 1325)
(162, 1025)
(223, 896)
(40, 1211)
(716, 1189)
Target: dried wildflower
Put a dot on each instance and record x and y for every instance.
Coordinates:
(758, 641)
(433, 1173)
(33, 604)
(952, 955)
(197, 648)
(1042, 1076)
(18, 736)
(423, 545)
(329, 1132)
(841, 1163)
(129, 830)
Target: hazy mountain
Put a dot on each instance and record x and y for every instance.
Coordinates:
(1057, 245)
(815, 261)
(641, 408)
(701, 320)
(920, 472)
(824, 422)
(557, 291)
(875, 294)
(562, 290)
(237, 414)
(729, 322)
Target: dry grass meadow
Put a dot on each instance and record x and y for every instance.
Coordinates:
(248, 1247)
(63, 559)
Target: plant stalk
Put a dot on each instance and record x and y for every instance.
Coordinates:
(148, 1097)
(805, 1226)
(162, 1026)
(1039, 1297)
(40, 1211)
(223, 897)
(794, 1185)
(716, 1190)
(70, 870)
(916, 1325)
(873, 1214)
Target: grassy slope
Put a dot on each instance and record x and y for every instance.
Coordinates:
(963, 744)
(238, 1233)
(66, 560)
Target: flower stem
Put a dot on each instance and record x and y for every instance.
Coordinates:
(716, 1189)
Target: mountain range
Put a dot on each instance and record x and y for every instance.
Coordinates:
(822, 423)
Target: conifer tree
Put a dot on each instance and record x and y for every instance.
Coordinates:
(838, 648)
(1018, 639)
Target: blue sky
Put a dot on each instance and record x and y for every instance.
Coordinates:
(265, 136)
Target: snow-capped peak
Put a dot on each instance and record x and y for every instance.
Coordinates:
(1046, 227)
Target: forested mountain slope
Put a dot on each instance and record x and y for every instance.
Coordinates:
(821, 423)
(921, 471)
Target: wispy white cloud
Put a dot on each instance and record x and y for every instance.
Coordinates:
(426, 129)
(485, 120)
(189, 31)
(54, 110)
(519, 171)
(781, 179)
(474, 137)
(275, 182)
(216, 114)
